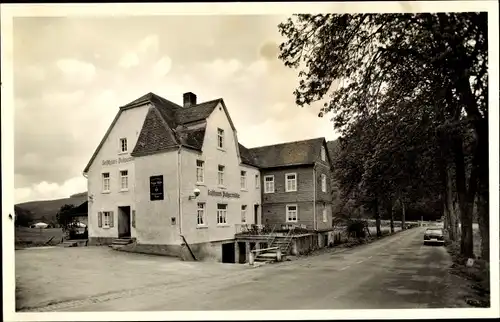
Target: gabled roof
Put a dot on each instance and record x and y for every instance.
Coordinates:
(287, 154)
(167, 125)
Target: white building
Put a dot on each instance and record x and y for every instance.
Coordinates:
(163, 172)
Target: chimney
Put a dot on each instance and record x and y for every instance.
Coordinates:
(189, 99)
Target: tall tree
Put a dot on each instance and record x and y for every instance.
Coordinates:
(389, 63)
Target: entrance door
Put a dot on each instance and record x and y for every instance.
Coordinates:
(124, 222)
(228, 253)
(256, 214)
(242, 247)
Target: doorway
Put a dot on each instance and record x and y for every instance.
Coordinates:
(256, 214)
(242, 251)
(228, 253)
(124, 222)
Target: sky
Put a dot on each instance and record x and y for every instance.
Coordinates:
(71, 75)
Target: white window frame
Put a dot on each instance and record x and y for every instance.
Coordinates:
(200, 171)
(323, 182)
(221, 214)
(106, 219)
(220, 138)
(323, 153)
(201, 209)
(121, 180)
(122, 141)
(288, 211)
(257, 181)
(220, 175)
(244, 213)
(243, 180)
(266, 190)
(104, 180)
(325, 214)
(294, 181)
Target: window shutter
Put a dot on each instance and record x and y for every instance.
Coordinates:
(111, 218)
(99, 219)
(133, 218)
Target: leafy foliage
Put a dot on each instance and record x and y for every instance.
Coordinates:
(63, 216)
(408, 93)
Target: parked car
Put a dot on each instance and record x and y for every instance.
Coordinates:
(434, 235)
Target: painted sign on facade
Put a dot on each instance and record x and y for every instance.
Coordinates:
(223, 194)
(117, 161)
(156, 188)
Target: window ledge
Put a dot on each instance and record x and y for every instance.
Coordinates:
(223, 225)
(105, 227)
(200, 184)
(244, 189)
(221, 187)
(124, 190)
(266, 192)
(106, 192)
(201, 226)
(290, 190)
(221, 149)
(122, 153)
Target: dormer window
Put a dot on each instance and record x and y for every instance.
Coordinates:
(323, 153)
(220, 138)
(123, 145)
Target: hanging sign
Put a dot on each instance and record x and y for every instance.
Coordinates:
(156, 188)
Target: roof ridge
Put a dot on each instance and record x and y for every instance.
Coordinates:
(285, 143)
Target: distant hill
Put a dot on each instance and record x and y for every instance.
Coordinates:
(46, 210)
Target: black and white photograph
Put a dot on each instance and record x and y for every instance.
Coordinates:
(250, 160)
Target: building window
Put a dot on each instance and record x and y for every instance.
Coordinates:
(221, 214)
(257, 181)
(291, 182)
(220, 176)
(123, 145)
(199, 171)
(201, 214)
(243, 180)
(268, 184)
(325, 217)
(105, 182)
(291, 213)
(243, 213)
(323, 182)
(124, 180)
(220, 138)
(106, 219)
(323, 153)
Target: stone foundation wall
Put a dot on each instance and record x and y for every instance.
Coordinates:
(153, 249)
(99, 241)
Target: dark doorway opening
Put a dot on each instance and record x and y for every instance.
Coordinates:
(256, 214)
(242, 247)
(124, 222)
(252, 246)
(228, 253)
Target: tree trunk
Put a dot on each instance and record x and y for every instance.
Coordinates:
(464, 202)
(451, 207)
(484, 225)
(403, 216)
(377, 219)
(390, 212)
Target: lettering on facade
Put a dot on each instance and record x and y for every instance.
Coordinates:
(223, 194)
(156, 188)
(117, 161)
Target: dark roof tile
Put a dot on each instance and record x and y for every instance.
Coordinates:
(286, 154)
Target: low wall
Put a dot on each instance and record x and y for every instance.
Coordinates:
(152, 249)
(100, 241)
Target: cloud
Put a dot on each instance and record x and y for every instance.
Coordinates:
(50, 190)
(162, 67)
(77, 70)
(149, 45)
(221, 69)
(129, 59)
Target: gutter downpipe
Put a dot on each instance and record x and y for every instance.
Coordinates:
(314, 197)
(179, 169)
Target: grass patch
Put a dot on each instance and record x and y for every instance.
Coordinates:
(478, 275)
(34, 237)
